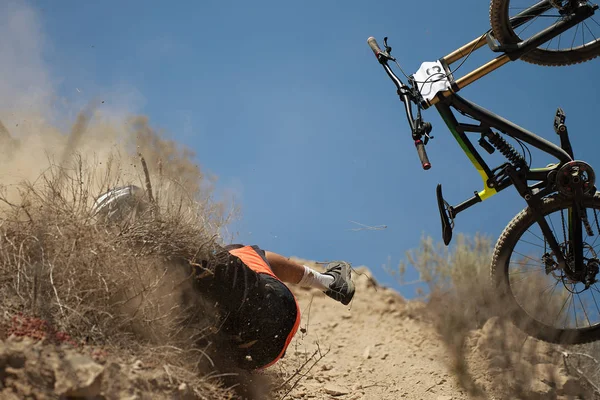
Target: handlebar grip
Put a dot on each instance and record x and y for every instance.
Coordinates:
(374, 46)
(422, 154)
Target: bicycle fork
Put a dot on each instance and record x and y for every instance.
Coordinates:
(570, 255)
(534, 203)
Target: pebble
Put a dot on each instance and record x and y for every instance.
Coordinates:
(335, 390)
(367, 353)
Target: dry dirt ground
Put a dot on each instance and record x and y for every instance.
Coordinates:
(380, 347)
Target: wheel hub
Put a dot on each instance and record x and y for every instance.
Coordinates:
(568, 276)
(567, 6)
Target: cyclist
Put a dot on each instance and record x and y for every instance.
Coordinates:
(248, 285)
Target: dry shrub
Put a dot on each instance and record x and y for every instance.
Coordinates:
(488, 352)
(460, 272)
(127, 286)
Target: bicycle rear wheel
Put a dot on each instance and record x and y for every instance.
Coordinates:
(579, 44)
(539, 297)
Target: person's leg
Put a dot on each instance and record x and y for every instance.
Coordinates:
(336, 281)
(292, 272)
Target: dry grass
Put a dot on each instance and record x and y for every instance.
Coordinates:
(128, 288)
(488, 352)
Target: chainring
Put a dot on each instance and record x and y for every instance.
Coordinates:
(573, 176)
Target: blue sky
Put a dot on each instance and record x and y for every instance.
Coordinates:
(286, 104)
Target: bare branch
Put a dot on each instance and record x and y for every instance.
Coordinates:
(364, 227)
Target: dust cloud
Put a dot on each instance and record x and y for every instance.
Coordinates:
(39, 128)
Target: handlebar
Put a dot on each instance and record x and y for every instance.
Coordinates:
(422, 154)
(406, 94)
(374, 46)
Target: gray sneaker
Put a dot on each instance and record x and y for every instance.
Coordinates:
(342, 288)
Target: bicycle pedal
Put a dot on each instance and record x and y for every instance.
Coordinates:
(445, 218)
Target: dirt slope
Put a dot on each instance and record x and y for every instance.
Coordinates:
(381, 347)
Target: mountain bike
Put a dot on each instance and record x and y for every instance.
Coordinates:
(545, 264)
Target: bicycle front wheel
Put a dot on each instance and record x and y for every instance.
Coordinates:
(542, 299)
(579, 44)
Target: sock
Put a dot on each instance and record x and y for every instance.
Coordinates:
(314, 279)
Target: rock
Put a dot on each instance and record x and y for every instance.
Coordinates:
(335, 390)
(78, 376)
(443, 398)
(185, 393)
(326, 367)
(499, 361)
(571, 386)
(138, 365)
(539, 389)
(367, 353)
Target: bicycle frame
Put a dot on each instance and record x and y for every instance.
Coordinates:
(507, 174)
(489, 121)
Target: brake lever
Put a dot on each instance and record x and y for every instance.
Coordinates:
(388, 49)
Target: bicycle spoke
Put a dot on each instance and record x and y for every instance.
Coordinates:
(551, 224)
(528, 24)
(549, 43)
(560, 311)
(583, 309)
(588, 28)
(520, 280)
(594, 297)
(524, 256)
(534, 244)
(559, 36)
(574, 309)
(533, 234)
(575, 36)
(546, 312)
(528, 271)
(551, 286)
